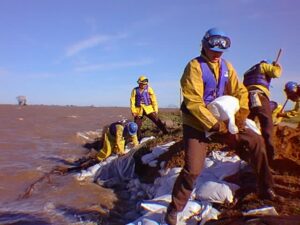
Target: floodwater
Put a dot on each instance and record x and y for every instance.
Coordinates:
(35, 139)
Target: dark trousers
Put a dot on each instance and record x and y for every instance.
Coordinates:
(154, 118)
(264, 115)
(250, 147)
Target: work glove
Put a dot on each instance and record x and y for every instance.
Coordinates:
(219, 127)
(291, 114)
(288, 114)
(240, 118)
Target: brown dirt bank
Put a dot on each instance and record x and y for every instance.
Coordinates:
(286, 167)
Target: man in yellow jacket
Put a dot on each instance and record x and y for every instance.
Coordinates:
(204, 79)
(278, 113)
(257, 80)
(116, 137)
(143, 103)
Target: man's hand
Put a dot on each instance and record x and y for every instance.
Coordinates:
(240, 118)
(219, 127)
(288, 114)
(292, 113)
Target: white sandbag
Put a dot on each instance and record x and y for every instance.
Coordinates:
(221, 156)
(192, 207)
(121, 168)
(224, 169)
(192, 213)
(269, 211)
(150, 218)
(156, 152)
(89, 173)
(145, 139)
(208, 162)
(156, 204)
(92, 171)
(213, 191)
(224, 108)
(224, 165)
(252, 125)
(164, 185)
(209, 213)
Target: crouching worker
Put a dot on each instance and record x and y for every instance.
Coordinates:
(278, 113)
(292, 90)
(116, 137)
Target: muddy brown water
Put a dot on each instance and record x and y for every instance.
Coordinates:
(35, 139)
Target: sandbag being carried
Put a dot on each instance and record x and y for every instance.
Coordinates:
(224, 108)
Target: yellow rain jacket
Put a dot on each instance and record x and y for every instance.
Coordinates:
(272, 71)
(276, 118)
(143, 109)
(115, 144)
(192, 86)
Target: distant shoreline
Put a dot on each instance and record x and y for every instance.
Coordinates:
(76, 106)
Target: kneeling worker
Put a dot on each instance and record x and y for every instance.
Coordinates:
(116, 137)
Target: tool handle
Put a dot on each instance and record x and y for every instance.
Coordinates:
(278, 55)
(284, 105)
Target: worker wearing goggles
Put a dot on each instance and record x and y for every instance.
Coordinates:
(204, 79)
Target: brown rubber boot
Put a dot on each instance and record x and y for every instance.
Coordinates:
(171, 216)
(269, 194)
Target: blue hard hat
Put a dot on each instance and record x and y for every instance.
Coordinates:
(292, 91)
(132, 128)
(214, 32)
(216, 40)
(291, 87)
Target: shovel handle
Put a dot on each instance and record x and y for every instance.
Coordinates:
(278, 55)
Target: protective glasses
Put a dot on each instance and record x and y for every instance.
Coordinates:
(218, 41)
(143, 81)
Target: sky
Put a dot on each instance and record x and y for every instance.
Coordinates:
(76, 52)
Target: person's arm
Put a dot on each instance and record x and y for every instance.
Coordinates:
(132, 103)
(193, 91)
(153, 99)
(271, 70)
(120, 142)
(134, 139)
(297, 106)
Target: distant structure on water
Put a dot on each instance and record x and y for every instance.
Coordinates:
(22, 101)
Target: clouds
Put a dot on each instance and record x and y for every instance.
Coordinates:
(91, 42)
(113, 65)
(106, 42)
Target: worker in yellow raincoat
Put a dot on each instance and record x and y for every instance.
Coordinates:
(292, 90)
(278, 113)
(258, 80)
(143, 103)
(116, 137)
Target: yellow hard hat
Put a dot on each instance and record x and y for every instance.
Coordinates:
(142, 80)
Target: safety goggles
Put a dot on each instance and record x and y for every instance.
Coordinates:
(143, 82)
(219, 42)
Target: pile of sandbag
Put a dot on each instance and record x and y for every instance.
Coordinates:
(210, 185)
